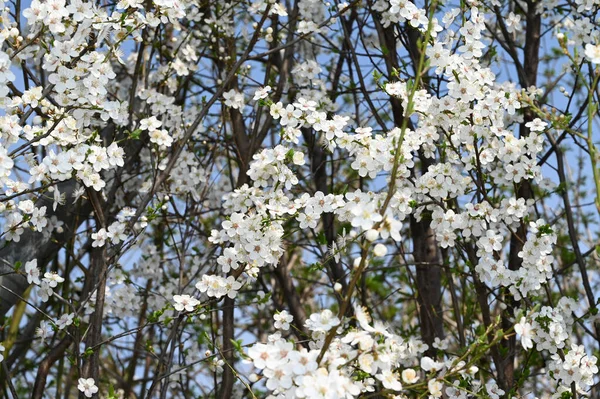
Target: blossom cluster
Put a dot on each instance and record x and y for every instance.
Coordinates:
(356, 362)
(549, 330)
(369, 349)
(46, 284)
(116, 231)
(476, 117)
(130, 130)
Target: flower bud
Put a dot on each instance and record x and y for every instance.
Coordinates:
(380, 250)
(372, 235)
(409, 376)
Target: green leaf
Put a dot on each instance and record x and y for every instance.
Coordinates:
(237, 345)
(135, 135)
(88, 352)
(111, 392)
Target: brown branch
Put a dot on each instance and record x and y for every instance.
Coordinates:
(44, 368)
(286, 283)
(98, 269)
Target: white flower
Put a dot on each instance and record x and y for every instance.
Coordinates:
(150, 124)
(99, 238)
(26, 206)
(279, 9)
(365, 216)
(283, 320)
(260, 354)
(261, 93)
(524, 329)
(323, 321)
(161, 137)
(234, 99)
(116, 232)
(593, 53)
(32, 272)
(53, 279)
(218, 286)
(410, 376)
(115, 155)
(87, 386)
(513, 22)
(276, 110)
(185, 302)
(65, 321)
(493, 390)
(536, 125)
(491, 242)
(232, 286)
(43, 330)
(435, 388)
(45, 291)
(429, 364)
(441, 344)
(298, 158)
(389, 380)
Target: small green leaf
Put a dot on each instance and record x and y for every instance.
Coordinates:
(135, 135)
(88, 352)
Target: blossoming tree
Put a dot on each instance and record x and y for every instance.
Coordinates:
(299, 199)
